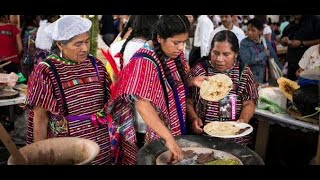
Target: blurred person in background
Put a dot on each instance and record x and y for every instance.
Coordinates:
(10, 45)
(302, 33)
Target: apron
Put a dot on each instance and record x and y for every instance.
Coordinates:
(82, 126)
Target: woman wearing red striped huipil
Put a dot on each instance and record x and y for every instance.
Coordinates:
(223, 59)
(67, 91)
(155, 82)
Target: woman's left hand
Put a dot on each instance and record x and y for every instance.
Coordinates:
(242, 121)
(197, 81)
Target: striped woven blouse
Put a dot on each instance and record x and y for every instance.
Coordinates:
(84, 91)
(140, 79)
(245, 89)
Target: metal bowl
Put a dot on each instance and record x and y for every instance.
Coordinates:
(59, 151)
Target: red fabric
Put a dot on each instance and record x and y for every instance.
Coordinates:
(110, 59)
(8, 45)
(115, 72)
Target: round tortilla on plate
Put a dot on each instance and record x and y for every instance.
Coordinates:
(217, 128)
(216, 88)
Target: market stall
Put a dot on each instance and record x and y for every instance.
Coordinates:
(266, 118)
(295, 107)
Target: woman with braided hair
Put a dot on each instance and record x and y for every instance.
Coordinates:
(141, 32)
(155, 82)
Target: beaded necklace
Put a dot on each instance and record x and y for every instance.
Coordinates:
(62, 60)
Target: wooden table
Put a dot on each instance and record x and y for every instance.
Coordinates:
(265, 117)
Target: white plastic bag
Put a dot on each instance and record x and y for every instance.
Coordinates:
(272, 99)
(275, 71)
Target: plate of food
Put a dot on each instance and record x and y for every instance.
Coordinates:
(216, 87)
(199, 156)
(227, 129)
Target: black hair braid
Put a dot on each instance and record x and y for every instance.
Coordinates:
(169, 26)
(181, 71)
(161, 56)
(123, 48)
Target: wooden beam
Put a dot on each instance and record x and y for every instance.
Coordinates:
(262, 138)
(318, 148)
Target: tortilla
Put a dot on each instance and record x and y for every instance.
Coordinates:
(287, 87)
(217, 128)
(216, 88)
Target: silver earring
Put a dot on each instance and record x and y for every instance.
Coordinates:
(60, 53)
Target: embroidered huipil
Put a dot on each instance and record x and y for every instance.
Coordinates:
(140, 78)
(85, 94)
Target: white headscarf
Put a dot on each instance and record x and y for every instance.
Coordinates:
(67, 27)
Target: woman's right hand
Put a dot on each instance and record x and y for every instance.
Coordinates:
(196, 125)
(197, 81)
(175, 149)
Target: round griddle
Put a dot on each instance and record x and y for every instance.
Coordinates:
(165, 158)
(148, 154)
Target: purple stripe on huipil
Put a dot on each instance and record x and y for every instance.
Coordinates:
(83, 99)
(78, 117)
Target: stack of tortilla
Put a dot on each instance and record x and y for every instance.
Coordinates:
(216, 88)
(217, 128)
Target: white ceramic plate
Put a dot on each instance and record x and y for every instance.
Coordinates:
(238, 124)
(164, 157)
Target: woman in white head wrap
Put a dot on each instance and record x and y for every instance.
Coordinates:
(67, 92)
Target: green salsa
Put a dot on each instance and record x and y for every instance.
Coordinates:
(223, 162)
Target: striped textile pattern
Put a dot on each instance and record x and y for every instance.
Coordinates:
(245, 90)
(140, 78)
(85, 97)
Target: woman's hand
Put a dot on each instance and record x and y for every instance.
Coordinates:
(285, 41)
(175, 149)
(299, 71)
(267, 52)
(152, 119)
(197, 81)
(196, 125)
(295, 43)
(242, 121)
